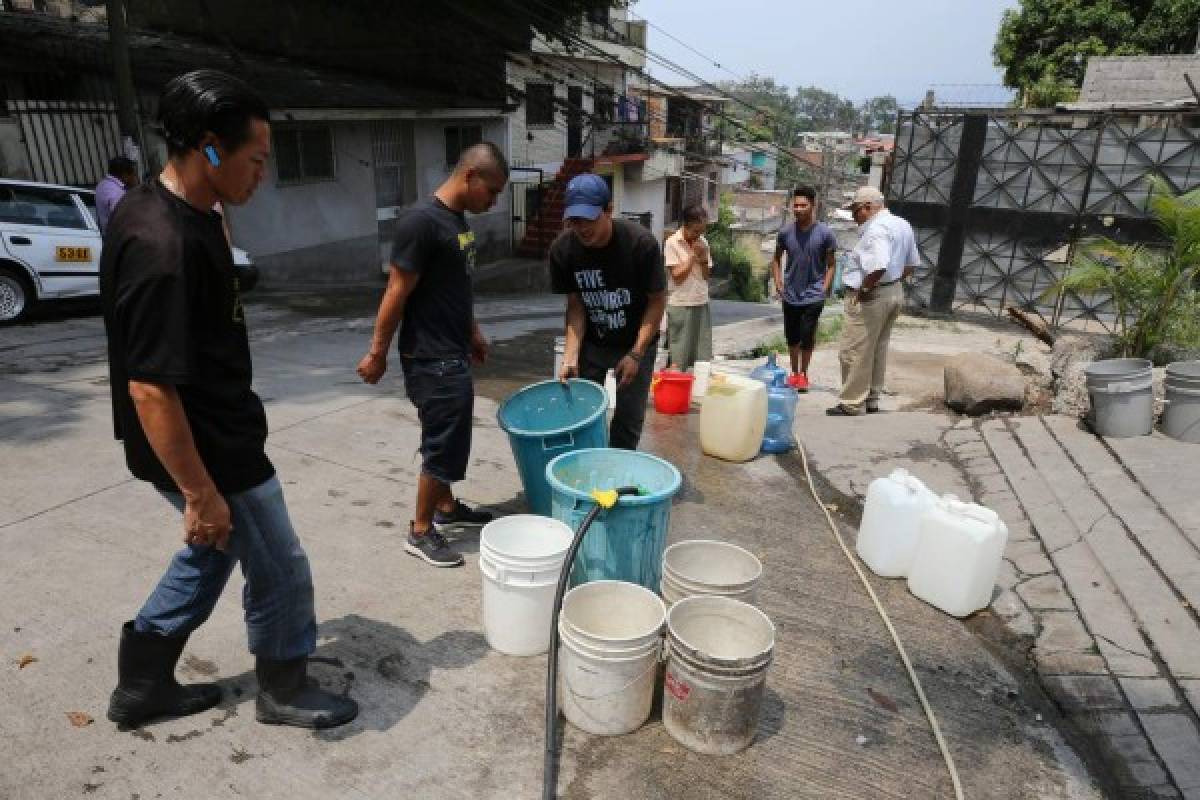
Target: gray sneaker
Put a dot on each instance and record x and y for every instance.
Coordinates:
(432, 548)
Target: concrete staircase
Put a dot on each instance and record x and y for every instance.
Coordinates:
(544, 227)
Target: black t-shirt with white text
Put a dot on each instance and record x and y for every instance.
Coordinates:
(613, 281)
(436, 243)
(174, 316)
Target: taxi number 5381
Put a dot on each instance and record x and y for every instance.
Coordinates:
(73, 254)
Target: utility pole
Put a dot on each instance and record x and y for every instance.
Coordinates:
(118, 40)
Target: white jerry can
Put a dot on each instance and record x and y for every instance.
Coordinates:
(959, 548)
(887, 537)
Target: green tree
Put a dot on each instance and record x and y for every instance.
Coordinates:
(1055, 38)
(821, 110)
(775, 120)
(879, 114)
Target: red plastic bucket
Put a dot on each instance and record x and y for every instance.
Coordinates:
(672, 391)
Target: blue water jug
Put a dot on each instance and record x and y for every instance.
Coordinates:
(781, 415)
(767, 372)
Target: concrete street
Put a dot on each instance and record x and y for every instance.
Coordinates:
(444, 717)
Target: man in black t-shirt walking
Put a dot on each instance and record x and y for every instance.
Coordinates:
(611, 271)
(429, 287)
(180, 375)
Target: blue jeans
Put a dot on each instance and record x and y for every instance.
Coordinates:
(278, 595)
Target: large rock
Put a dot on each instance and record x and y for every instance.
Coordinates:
(977, 384)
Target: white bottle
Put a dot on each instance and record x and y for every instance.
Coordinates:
(887, 537)
(959, 548)
(702, 370)
(610, 387)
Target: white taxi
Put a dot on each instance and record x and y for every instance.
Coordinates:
(50, 246)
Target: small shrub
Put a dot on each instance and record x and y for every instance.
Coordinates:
(1154, 290)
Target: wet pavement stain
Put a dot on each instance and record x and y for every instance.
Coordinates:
(229, 714)
(145, 736)
(200, 666)
(240, 756)
(174, 737)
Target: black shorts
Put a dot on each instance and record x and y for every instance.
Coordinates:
(444, 395)
(800, 324)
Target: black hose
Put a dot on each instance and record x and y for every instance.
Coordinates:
(549, 774)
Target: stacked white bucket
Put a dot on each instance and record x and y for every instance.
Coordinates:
(611, 634)
(949, 550)
(521, 558)
(719, 646)
(709, 567)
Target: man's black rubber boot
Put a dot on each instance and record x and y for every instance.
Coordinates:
(146, 685)
(287, 697)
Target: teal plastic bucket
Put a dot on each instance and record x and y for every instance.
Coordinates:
(626, 542)
(544, 421)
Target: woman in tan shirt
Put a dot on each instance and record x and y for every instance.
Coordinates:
(689, 266)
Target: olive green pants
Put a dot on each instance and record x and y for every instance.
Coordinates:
(689, 331)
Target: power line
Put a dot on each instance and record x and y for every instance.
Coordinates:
(708, 58)
(594, 118)
(569, 37)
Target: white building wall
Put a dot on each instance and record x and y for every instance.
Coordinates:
(738, 170)
(545, 146)
(320, 231)
(328, 231)
(492, 229)
(643, 190)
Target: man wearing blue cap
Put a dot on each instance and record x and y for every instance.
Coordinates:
(611, 271)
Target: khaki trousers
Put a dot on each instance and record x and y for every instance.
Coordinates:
(864, 344)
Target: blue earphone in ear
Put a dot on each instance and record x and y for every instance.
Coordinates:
(211, 153)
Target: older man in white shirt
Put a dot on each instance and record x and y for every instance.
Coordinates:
(886, 251)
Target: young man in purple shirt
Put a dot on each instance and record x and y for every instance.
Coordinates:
(122, 176)
(805, 281)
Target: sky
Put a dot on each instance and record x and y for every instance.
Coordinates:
(859, 49)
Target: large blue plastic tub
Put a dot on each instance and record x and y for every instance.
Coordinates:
(626, 542)
(546, 420)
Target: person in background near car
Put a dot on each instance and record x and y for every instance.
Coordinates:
(805, 282)
(689, 265)
(886, 252)
(611, 271)
(122, 176)
(429, 286)
(180, 377)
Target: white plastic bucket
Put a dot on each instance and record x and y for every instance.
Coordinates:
(521, 558)
(718, 652)
(608, 659)
(708, 567)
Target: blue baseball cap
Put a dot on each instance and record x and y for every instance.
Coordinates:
(587, 196)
